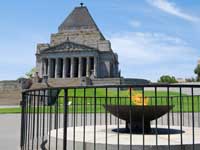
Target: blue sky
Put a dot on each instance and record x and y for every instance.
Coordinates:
(152, 37)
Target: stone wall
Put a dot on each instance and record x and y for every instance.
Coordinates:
(11, 85)
(10, 92)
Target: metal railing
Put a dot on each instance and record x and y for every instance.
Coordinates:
(106, 118)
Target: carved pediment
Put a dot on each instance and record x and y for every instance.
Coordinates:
(68, 46)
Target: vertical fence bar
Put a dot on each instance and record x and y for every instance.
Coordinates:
(48, 97)
(183, 107)
(161, 104)
(86, 108)
(188, 106)
(84, 117)
(178, 116)
(22, 121)
(100, 109)
(106, 119)
(181, 126)
(95, 111)
(193, 136)
(74, 120)
(29, 119)
(33, 132)
(171, 98)
(118, 118)
(130, 113)
(143, 119)
(77, 115)
(81, 106)
(65, 119)
(168, 118)
(56, 119)
(37, 126)
(198, 110)
(43, 116)
(50, 118)
(115, 100)
(110, 102)
(40, 115)
(26, 119)
(59, 119)
(156, 108)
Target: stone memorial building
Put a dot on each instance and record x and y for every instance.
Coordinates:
(78, 50)
(78, 54)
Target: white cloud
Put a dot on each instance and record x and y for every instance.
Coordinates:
(135, 23)
(172, 9)
(158, 53)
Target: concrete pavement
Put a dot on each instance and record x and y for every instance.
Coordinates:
(10, 132)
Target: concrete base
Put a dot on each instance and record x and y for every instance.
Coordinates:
(124, 139)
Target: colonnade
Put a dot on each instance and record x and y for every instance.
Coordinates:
(70, 67)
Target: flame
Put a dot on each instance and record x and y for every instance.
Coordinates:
(137, 99)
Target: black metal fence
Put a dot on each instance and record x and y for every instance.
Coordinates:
(112, 118)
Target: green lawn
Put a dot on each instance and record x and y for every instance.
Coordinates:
(10, 110)
(79, 104)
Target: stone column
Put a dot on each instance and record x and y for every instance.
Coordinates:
(45, 67)
(42, 69)
(49, 68)
(64, 67)
(72, 68)
(88, 67)
(80, 68)
(56, 68)
(95, 66)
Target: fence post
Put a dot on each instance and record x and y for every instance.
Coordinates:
(23, 105)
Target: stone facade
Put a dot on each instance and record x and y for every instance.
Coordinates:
(78, 50)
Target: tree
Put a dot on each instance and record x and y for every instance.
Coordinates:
(190, 79)
(167, 79)
(197, 72)
(31, 73)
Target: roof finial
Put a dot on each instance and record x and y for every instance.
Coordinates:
(81, 4)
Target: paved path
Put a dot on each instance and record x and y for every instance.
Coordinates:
(9, 132)
(9, 106)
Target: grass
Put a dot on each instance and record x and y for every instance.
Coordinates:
(10, 110)
(77, 105)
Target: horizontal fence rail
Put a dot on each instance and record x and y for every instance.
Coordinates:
(131, 117)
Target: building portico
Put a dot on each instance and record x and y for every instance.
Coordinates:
(69, 67)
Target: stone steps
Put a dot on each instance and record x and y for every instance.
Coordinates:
(106, 81)
(64, 82)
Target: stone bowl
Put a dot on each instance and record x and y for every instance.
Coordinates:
(138, 118)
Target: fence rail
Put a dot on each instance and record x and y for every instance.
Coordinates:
(166, 117)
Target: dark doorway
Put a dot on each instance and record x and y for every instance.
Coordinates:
(53, 68)
(76, 63)
(60, 68)
(68, 61)
(84, 66)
